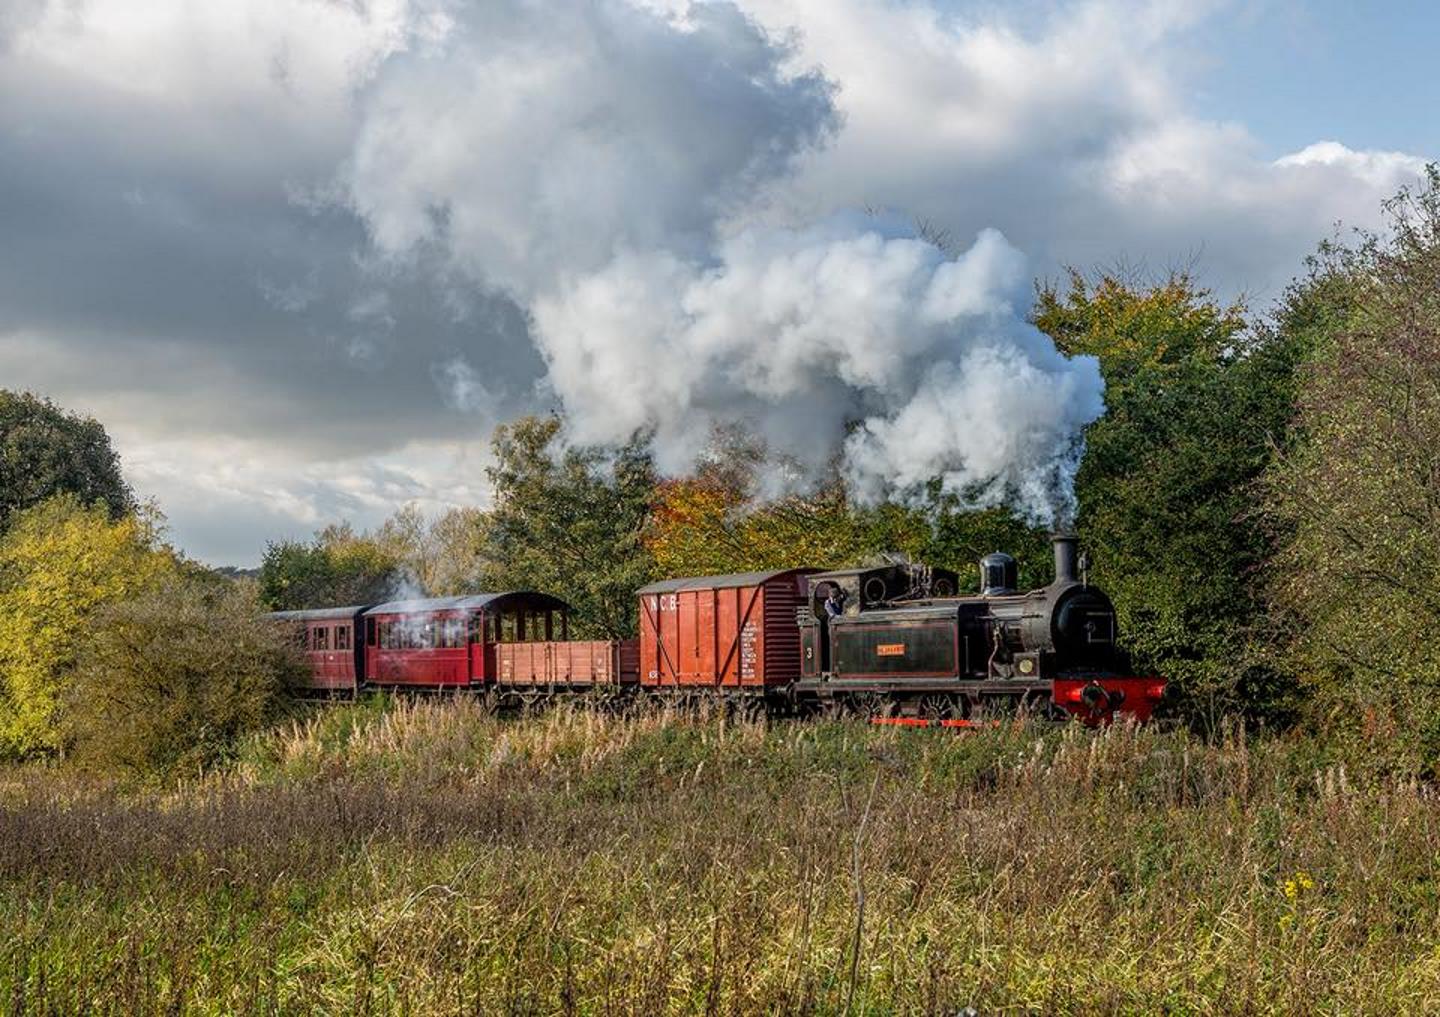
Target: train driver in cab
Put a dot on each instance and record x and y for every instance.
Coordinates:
(834, 602)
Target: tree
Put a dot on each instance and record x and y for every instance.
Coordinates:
(1356, 581)
(570, 521)
(337, 568)
(169, 679)
(960, 537)
(45, 451)
(456, 541)
(713, 521)
(60, 562)
(1196, 403)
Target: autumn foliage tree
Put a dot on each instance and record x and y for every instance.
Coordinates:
(1356, 583)
(60, 563)
(714, 521)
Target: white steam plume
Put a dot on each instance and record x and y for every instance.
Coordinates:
(607, 165)
(799, 334)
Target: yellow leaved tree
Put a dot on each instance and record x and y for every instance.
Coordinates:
(59, 562)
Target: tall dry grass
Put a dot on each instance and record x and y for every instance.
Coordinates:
(426, 857)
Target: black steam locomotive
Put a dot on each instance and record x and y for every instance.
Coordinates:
(903, 640)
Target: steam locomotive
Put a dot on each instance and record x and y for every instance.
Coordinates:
(895, 642)
(910, 646)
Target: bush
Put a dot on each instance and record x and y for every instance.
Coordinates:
(60, 562)
(167, 681)
(1353, 586)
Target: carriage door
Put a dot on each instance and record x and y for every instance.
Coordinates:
(475, 641)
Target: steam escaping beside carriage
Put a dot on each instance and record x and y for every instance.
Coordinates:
(895, 642)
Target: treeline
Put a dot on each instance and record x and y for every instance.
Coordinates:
(1261, 498)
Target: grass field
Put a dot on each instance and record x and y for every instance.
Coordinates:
(429, 858)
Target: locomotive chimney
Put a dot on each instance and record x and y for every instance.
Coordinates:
(1065, 544)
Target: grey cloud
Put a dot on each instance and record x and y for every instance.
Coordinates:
(154, 275)
(540, 139)
(309, 238)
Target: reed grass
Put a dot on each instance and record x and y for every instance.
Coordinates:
(427, 857)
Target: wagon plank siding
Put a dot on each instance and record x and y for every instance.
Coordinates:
(727, 632)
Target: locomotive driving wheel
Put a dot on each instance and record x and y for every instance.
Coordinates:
(870, 705)
(942, 706)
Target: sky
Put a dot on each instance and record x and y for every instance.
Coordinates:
(302, 256)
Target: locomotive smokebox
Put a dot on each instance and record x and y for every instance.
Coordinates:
(1065, 545)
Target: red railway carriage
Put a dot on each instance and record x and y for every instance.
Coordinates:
(448, 642)
(329, 640)
(731, 632)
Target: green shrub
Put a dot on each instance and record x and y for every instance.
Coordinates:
(168, 680)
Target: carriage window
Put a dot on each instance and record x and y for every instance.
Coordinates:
(558, 628)
(534, 626)
(509, 627)
(385, 636)
(454, 633)
(370, 634)
(342, 638)
(322, 638)
(492, 628)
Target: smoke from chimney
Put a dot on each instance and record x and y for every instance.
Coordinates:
(629, 211)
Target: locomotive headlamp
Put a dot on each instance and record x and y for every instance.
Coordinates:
(1027, 666)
